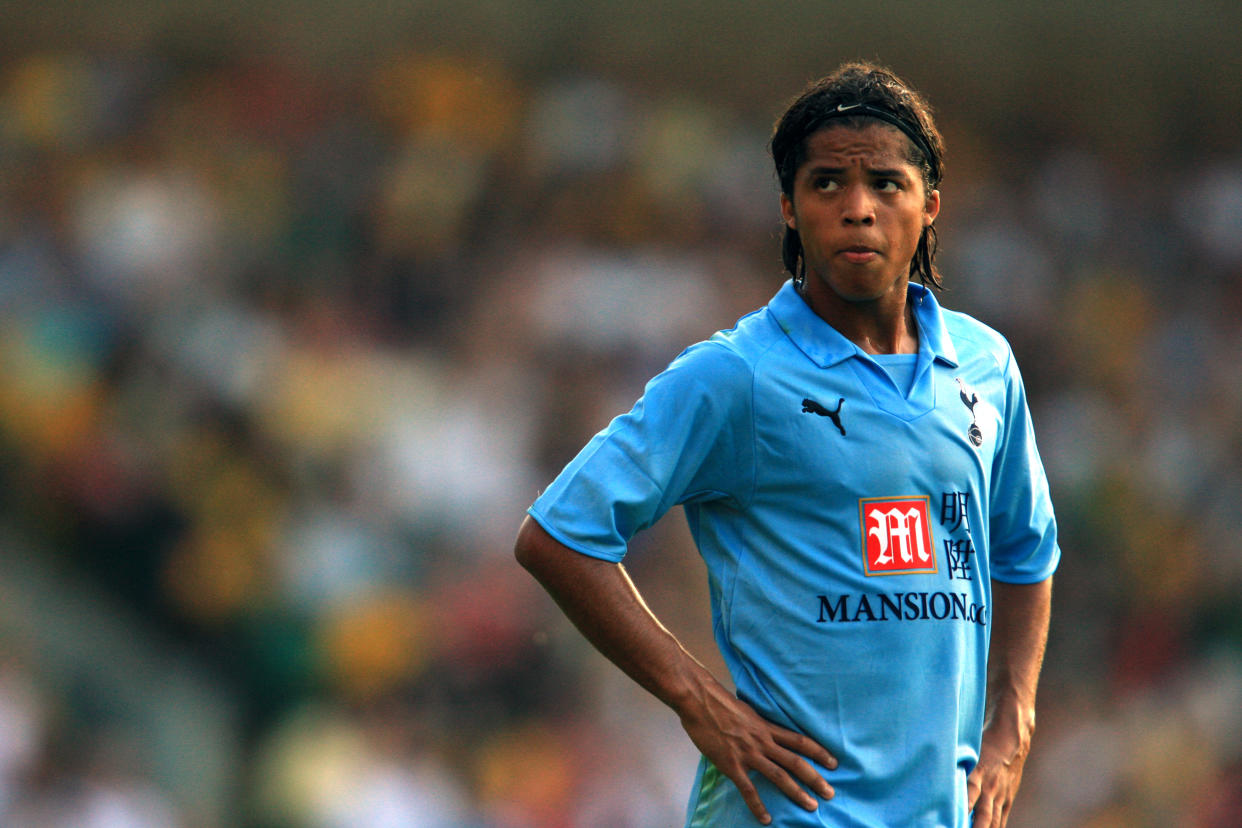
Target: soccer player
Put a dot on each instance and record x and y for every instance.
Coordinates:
(859, 472)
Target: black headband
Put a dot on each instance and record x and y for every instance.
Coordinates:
(870, 111)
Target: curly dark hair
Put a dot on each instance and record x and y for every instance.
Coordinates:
(881, 95)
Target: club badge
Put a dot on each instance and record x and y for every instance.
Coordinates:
(970, 398)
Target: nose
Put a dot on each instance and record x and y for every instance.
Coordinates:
(859, 207)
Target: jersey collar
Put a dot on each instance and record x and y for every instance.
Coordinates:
(826, 346)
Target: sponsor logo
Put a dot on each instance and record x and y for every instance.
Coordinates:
(809, 406)
(954, 508)
(846, 608)
(958, 553)
(896, 536)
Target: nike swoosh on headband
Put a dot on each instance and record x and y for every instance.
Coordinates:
(872, 111)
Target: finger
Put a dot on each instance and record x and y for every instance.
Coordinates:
(1002, 813)
(983, 816)
(786, 784)
(805, 772)
(989, 811)
(750, 795)
(804, 745)
(974, 787)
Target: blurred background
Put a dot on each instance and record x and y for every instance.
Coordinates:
(302, 303)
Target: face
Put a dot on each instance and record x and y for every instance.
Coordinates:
(860, 208)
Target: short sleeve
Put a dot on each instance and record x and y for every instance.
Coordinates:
(689, 437)
(1023, 531)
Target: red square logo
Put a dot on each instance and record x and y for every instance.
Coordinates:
(896, 535)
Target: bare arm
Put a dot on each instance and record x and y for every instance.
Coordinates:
(602, 602)
(1019, 634)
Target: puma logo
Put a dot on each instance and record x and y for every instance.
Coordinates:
(811, 407)
(970, 398)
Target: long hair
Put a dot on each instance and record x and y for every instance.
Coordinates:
(863, 86)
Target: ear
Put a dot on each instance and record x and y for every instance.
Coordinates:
(931, 208)
(787, 212)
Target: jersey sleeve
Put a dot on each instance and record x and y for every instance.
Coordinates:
(689, 437)
(1023, 531)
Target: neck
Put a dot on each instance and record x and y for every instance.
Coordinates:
(884, 325)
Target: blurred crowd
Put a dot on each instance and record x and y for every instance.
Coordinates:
(287, 349)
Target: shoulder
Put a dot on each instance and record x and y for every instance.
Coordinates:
(718, 373)
(731, 354)
(714, 366)
(975, 340)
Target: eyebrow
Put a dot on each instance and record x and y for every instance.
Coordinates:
(875, 172)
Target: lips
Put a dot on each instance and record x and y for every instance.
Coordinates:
(859, 254)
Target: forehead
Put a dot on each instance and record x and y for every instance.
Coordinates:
(872, 145)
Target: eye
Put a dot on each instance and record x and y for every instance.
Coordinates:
(825, 184)
(888, 185)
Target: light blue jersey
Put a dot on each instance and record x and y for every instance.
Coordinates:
(850, 530)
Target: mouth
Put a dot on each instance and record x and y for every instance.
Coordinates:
(859, 254)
